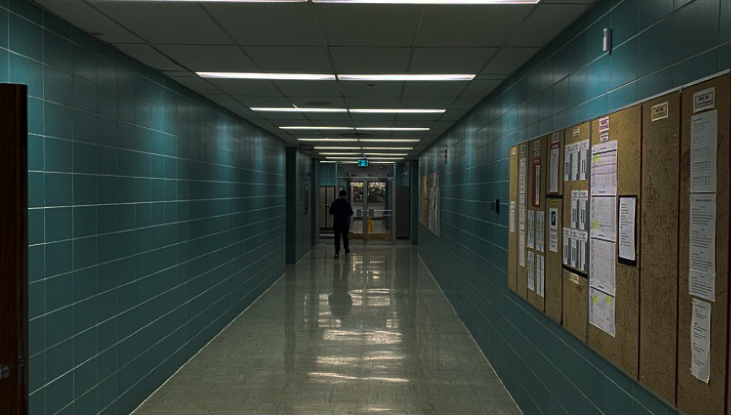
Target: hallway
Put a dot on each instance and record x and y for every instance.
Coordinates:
(371, 333)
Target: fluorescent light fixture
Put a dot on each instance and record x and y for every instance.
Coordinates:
(355, 153)
(270, 76)
(395, 111)
(211, 1)
(392, 129)
(431, 1)
(296, 109)
(385, 158)
(408, 77)
(343, 158)
(315, 128)
(389, 140)
(332, 140)
(336, 148)
(386, 148)
(324, 161)
(386, 154)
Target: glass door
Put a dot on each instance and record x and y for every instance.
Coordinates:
(373, 214)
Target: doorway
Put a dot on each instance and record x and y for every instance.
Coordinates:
(373, 213)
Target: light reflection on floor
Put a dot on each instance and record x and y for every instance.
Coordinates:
(370, 333)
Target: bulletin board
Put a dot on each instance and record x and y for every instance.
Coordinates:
(704, 393)
(513, 220)
(659, 245)
(575, 303)
(523, 200)
(536, 224)
(622, 132)
(430, 191)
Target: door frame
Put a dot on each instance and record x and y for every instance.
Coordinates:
(391, 184)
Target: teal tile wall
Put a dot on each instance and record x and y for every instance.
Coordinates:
(299, 224)
(155, 217)
(415, 202)
(658, 45)
(327, 174)
(315, 202)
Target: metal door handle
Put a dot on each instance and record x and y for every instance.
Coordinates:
(4, 372)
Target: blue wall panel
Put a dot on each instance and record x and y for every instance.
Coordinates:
(299, 210)
(658, 45)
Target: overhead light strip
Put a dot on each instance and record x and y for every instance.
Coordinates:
(332, 140)
(297, 109)
(389, 140)
(332, 77)
(392, 129)
(309, 127)
(407, 77)
(431, 1)
(269, 76)
(352, 111)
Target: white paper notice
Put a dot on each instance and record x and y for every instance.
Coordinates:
(574, 247)
(531, 271)
(700, 338)
(604, 218)
(583, 244)
(512, 217)
(627, 226)
(531, 225)
(555, 160)
(583, 199)
(540, 231)
(521, 232)
(703, 139)
(584, 153)
(567, 162)
(603, 266)
(574, 208)
(553, 230)
(601, 314)
(566, 245)
(604, 173)
(521, 175)
(575, 161)
(703, 246)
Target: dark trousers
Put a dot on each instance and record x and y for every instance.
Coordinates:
(344, 228)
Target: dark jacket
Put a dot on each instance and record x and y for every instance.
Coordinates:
(340, 208)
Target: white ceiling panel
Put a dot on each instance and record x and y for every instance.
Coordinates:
(545, 23)
(480, 88)
(90, 19)
(145, 53)
(351, 60)
(450, 60)
(268, 23)
(434, 89)
(210, 58)
(308, 88)
(307, 59)
(275, 117)
(327, 116)
(247, 87)
(469, 26)
(166, 22)
(378, 89)
(381, 118)
(320, 102)
(365, 25)
(508, 60)
(373, 102)
(198, 85)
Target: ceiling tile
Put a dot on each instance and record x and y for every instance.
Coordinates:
(371, 89)
(327, 116)
(368, 25)
(469, 25)
(372, 102)
(224, 100)
(452, 115)
(508, 60)
(166, 22)
(450, 60)
(480, 88)
(288, 116)
(381, 118)
(418, 117)
(465, 103)
(426, 102)
(298, 59)
(370, 60)
(268, 23)
(323, 102)
(149, 56)
(545, 23)
(251, 101)
(434, 89)
(198, 85)
(309, 88)
(247, 87)
(210, 58)
(246, 113)
(89, 19)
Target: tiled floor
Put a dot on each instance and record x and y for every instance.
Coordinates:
(370, 333)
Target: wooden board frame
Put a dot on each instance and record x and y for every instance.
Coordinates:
(575, 304)
(537, 154)
(513, 234)
(522, 281)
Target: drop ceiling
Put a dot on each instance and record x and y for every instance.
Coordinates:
(180, 39)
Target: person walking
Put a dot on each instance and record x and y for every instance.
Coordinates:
(341, 211)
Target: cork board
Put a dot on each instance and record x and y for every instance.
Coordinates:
(555, 162)
(658, 246)
(521, 280)
(575, 303)
(623, 348)
(513, 220)
(694, 396)
(554, 281)
(574, 136)
(537, 205)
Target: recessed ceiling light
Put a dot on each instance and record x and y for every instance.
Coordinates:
(315, 128)
(338, 154)
(336, 148)
(407, 77)
(270, 76)
(343, 158)
(395, 111)
(316, 140)
(295, 109)
(386, 154)
(392, 129)
(387, 148)
(217, 1)
(431, 1)
(389, 140)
